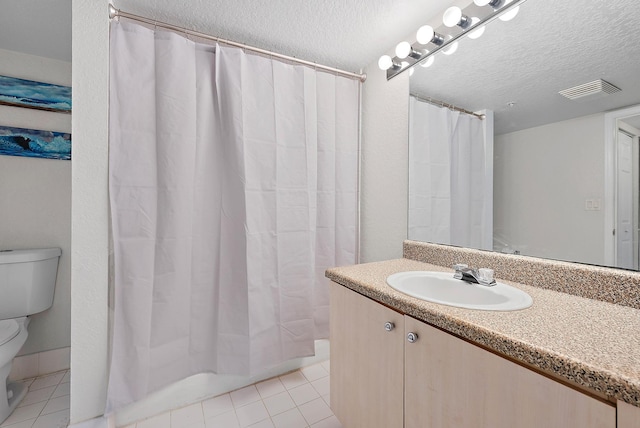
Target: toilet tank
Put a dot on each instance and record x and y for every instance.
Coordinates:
(27, 281)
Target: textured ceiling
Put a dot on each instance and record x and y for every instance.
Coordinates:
(348, 34)
(551, 45)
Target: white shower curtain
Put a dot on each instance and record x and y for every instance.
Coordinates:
(450, 185)
(233, 186)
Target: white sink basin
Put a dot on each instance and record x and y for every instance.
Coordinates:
(441, 287)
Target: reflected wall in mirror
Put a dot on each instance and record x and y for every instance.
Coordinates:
(565, 172)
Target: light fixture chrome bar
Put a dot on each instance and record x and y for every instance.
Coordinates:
(447, 105)
(495, 14)
(117, 13)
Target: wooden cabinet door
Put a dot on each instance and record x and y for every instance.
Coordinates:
(452, 383)
(366, 361)
(628, 415)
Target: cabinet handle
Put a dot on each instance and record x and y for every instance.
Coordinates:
(412, 337)
(389, 326)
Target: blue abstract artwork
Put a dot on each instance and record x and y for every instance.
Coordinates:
(34, 143)
(36, 95)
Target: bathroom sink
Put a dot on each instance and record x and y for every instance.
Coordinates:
(441, 287)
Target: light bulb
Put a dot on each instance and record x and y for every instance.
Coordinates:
(493, 3)
(425, 34)
(403, 50)
(411, 71)
(449, 50)
(385, 62)
(428, 62)
(478, 31)
(508, 16)
(453, 16)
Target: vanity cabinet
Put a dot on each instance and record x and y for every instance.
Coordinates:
(380, 379)
(628, 415)
(367, 361)
(452, 383)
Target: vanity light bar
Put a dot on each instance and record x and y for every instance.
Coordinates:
(458, 23)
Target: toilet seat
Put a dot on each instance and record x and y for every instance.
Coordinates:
(8, 330)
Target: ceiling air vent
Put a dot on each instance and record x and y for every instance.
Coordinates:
(596, 89)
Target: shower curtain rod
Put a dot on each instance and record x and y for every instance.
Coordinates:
(447, 105)
(117, 13)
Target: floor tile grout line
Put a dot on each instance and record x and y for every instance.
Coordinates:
(31, 381)
(262, 398)
(297, 406)
(56, 385)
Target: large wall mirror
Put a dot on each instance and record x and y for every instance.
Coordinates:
(565, 171)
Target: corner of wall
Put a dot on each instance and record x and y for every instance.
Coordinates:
(89, 212)
(385, 136)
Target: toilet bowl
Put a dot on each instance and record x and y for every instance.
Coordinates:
(27, 283)
(13, 334)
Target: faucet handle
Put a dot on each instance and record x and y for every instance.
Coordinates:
(485, 275)
(458, 267)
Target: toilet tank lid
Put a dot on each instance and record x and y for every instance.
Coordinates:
(32, 255)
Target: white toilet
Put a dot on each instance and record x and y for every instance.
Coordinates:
(27, 282)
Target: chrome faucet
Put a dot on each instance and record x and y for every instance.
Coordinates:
(480, 276)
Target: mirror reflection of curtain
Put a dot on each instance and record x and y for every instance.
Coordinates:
(449, 184)
(233, 187)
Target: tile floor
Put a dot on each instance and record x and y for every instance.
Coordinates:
(46, 404)
(298, 399)
(295, 400)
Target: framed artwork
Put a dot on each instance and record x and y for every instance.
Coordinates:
(35, 143)
(36, 95)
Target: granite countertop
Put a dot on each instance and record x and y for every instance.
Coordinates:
(589, 343)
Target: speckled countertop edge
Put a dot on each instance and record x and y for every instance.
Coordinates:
(593, 282)
(590, 343)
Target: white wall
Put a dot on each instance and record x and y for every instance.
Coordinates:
(384, 167)
(89, 263)
(35, 197)
(542, 178)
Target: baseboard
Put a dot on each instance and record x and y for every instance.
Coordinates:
(41, 363)
(99, 422)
